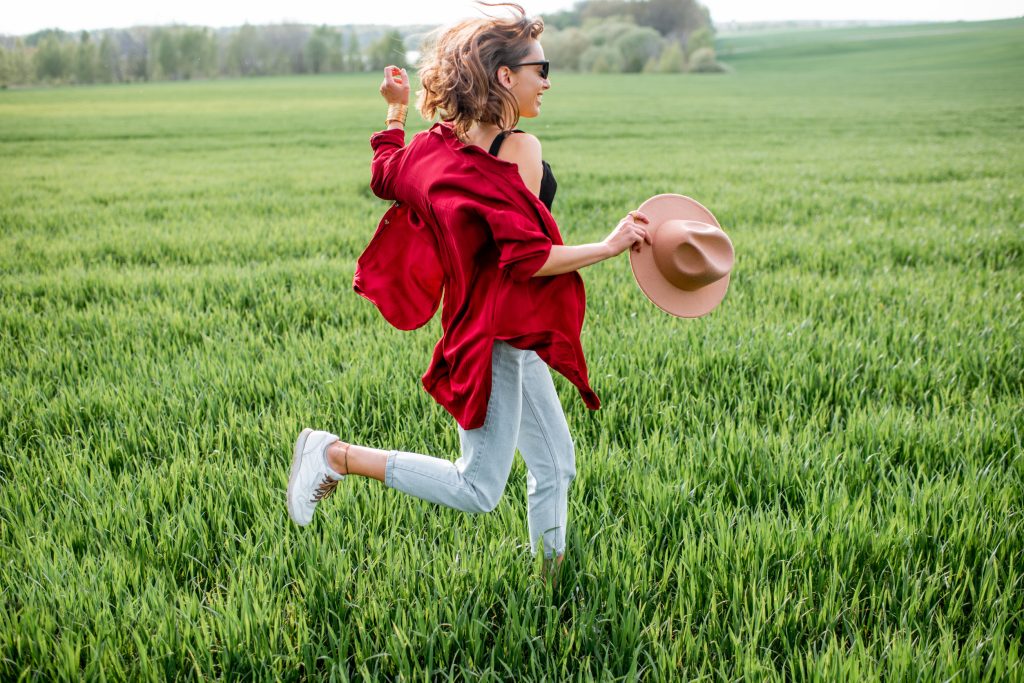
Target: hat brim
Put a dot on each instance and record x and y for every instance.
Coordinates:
(665, 295)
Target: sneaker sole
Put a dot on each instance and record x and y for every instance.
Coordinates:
(300, 445)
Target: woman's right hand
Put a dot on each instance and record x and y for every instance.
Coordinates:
(395, 88)
(628, 234)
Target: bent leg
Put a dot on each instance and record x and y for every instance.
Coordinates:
(550, 456)
(476, 481)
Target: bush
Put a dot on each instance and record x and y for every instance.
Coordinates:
(672, 60)
(637, 45)
(601, 59)
(607, 32)
(701, 38)
(703, 61)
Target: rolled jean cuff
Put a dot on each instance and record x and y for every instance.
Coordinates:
(389, 470)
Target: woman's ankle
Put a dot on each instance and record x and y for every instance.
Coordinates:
(337, 457)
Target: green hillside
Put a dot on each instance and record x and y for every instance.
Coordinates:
(982, 50)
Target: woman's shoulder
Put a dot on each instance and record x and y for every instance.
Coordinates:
(521, 139)
(521, 148)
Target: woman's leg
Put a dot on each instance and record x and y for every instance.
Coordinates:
(361, 460)
(550, 456)
(474, 482)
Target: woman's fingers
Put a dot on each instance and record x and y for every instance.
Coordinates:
(395, 86)
(642, 234)
(395, 76)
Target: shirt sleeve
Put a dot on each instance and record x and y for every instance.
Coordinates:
(388, 150)
(523, 246)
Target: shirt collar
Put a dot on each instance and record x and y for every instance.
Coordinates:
(446, 129)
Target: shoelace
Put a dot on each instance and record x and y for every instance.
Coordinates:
(328, 485)
(326, 488)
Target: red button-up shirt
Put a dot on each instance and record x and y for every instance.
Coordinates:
(465, 223)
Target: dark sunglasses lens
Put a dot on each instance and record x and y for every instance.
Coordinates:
(544, 69)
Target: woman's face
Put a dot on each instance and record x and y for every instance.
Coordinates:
(525, 82)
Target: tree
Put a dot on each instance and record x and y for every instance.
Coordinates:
(195, 53)
(108, 67)
(242, 58)
(564, 19)
(52, 60)
(353, 54)
(282, 48)
(637, 45)
(563, 48)
(673, 18)
(601, 59)
(135, 48)
(672, 59)
(704, 37)
(606, 9)
(670, 18)
(5, 68)
(165, 50)
(86, 60)
(323, 50)
(335, 52)
(605, 31)
(389, 49)
(20, 68)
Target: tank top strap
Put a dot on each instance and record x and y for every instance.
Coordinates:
(500, 138)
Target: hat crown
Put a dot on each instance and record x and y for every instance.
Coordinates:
(692, 254)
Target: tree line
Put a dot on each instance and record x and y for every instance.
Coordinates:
(623, 36)
(54, 57)
(596, 35)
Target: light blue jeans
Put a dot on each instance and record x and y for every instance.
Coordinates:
(523, 411)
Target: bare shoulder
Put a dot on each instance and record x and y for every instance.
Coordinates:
(523, 149)
(524, 146)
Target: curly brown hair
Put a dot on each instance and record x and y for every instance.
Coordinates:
(459, 69)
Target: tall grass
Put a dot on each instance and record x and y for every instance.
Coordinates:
(821, 480)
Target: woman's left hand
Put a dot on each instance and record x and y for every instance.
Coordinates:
(395, 88)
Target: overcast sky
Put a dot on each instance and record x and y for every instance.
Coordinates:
(72, 15)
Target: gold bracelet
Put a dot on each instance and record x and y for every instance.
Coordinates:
(397, 112)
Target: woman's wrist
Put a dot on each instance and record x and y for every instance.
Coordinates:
(397, 113)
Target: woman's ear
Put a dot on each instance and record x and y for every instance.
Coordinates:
(505, 76)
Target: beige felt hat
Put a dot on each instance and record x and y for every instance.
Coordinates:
(685, 269)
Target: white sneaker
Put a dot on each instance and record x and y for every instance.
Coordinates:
(311, 479)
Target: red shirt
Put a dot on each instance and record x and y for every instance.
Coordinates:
(464, 222)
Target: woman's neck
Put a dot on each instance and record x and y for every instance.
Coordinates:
(480, 133)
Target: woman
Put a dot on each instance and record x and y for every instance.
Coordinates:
(472, 217)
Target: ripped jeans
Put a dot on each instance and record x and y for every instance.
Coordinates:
(523, 411)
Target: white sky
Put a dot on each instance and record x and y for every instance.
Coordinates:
(21, 18)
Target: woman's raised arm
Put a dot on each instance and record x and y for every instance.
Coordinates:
(395, 90)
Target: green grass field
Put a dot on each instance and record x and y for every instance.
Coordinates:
(821, 480)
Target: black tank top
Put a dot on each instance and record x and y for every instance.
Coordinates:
(547, 180)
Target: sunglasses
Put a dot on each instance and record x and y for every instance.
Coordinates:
(545, 66)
